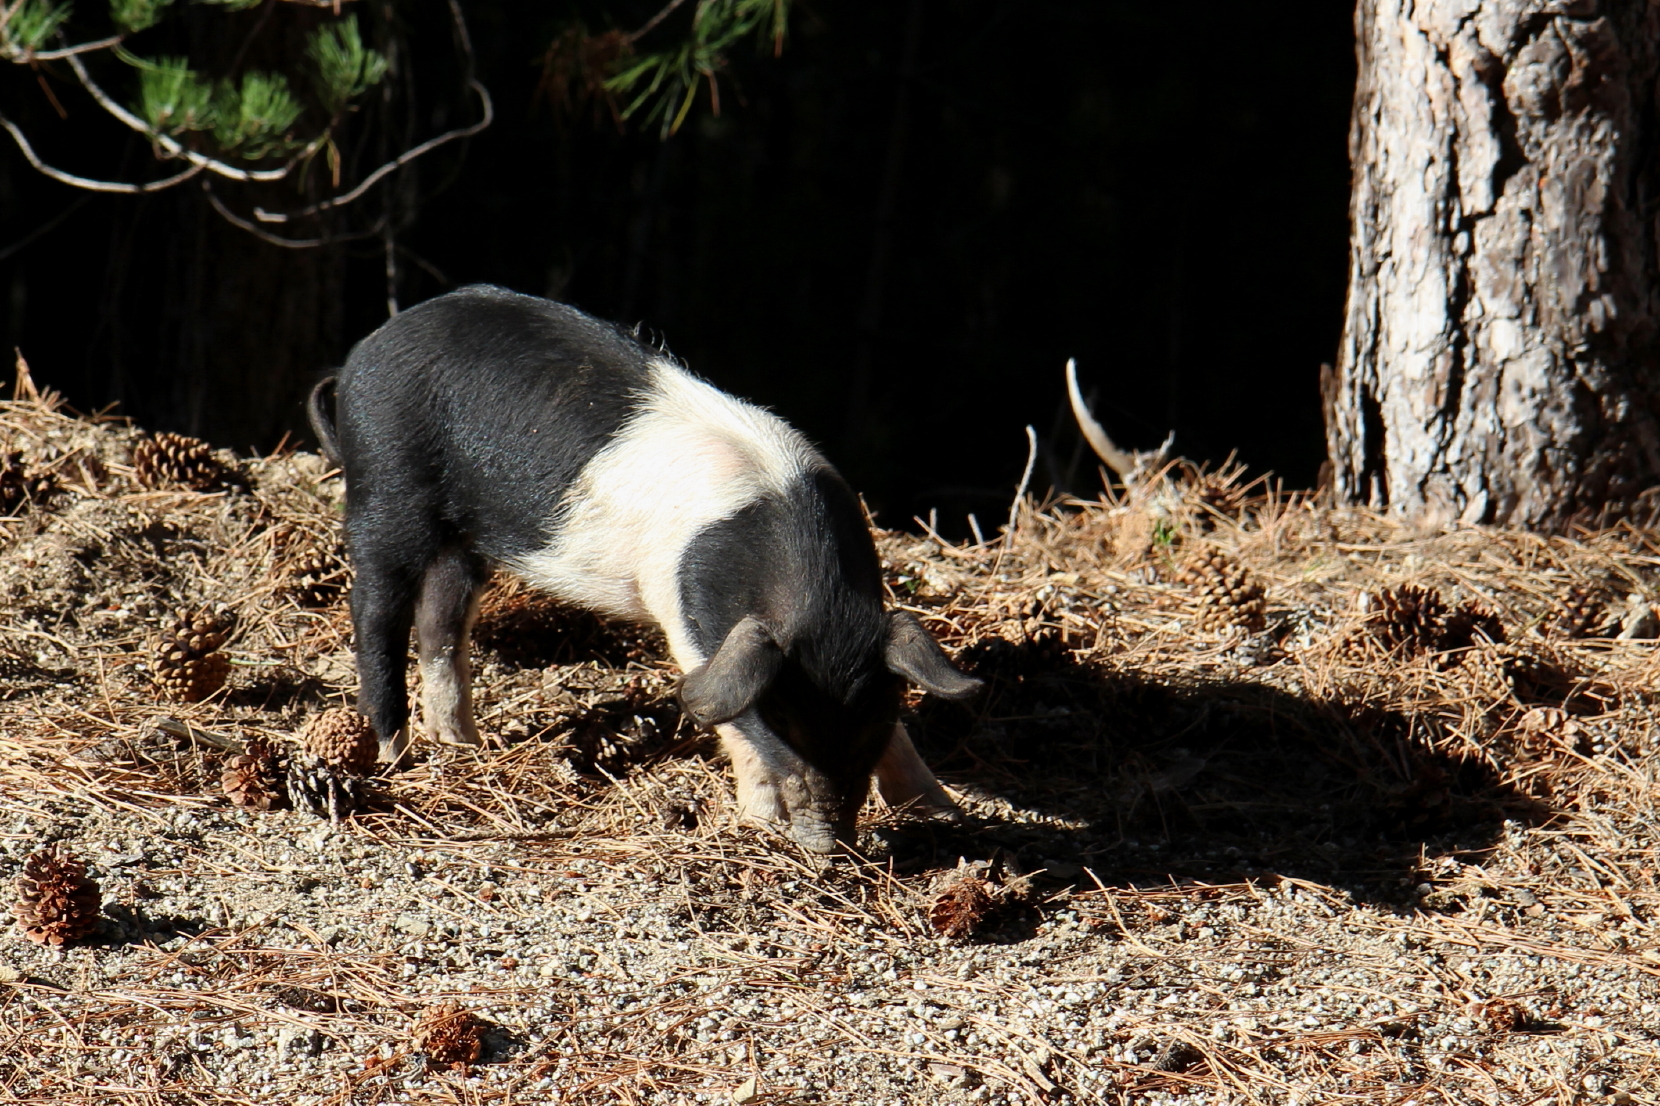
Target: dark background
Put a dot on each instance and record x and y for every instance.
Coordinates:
(894, 235)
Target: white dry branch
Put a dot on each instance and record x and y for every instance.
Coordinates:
(1130, 468)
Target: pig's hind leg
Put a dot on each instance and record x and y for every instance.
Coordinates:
(444, 622)
(388, 570)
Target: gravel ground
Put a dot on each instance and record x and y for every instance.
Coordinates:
(1225, 868)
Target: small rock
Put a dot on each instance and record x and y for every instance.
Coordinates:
(412, 925)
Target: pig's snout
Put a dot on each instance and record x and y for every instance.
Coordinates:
(821, 813)
(776, 786)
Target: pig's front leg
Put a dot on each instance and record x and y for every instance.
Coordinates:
(756, 776)
(902, 778)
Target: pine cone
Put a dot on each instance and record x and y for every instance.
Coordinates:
(1524, 673)
(1177, 1056)
(1406, 620)
(343, 738)
(20, 487)
(1017, 640)
(317, 579)
(1218, 497)
(1502, 1015)
(327, 790)
(1470, 624)
(57, 902)
(1548, 732)
(958, 910)
(253, 779)
(1228, 596)
(170, 460)
(188, 664)
(449, 1035)
(1580, 613)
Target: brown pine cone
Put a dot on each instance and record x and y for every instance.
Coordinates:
(1228, 596)
(253, 779)
(1502, 1015)
(958, 910)
(317, 578)
(1548, 732)
(1580, 612)
(165, 460)
(21, 487)
(1406, 620)
(342, 737)
(1470, 624)
(57, 903)
(1218, 497)
(187, 662)
(449, 1035)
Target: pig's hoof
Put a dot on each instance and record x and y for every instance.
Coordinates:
(454, 735)
(394, 752)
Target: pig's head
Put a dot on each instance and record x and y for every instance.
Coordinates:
(814, 708)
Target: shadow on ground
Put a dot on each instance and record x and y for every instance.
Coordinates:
(1147, 782)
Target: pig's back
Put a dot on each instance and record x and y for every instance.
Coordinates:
(487, 404)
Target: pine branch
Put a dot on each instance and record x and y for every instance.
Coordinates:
(133, 16)
(212, 165)
(78, 48)
(25, 24)
(248, 117)
(663, 85)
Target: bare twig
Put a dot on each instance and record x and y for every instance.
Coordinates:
(278, 240)
(88, 183)
(651, 24)
(1020, 491)
(374, 178)
(69, 51)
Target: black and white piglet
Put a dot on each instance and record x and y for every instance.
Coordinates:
(486, 427)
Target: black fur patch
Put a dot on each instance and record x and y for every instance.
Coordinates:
(461, 424)
(806, 567)
(477, 409)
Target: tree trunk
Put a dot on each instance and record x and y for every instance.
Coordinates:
(1498, 360)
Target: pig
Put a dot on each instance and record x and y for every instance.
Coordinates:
(488, 428)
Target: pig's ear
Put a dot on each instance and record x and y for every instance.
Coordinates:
(914, 654)
(734, 677)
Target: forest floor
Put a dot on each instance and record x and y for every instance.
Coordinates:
(1336, 841)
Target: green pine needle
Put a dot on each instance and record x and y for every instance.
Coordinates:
(31, 23)
(133, 16)
(665, 84)
(172, 97)
(345, 68)
(252, 121)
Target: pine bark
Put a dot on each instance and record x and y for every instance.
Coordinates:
(1498, 362)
